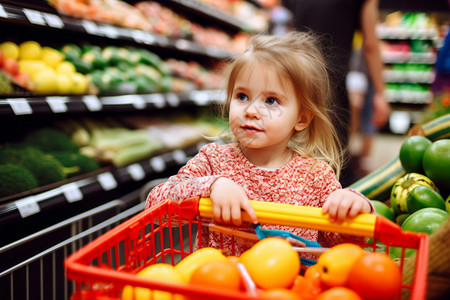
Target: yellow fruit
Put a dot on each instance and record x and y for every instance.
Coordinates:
(65, 67)
(272, 263)
(10, 50)
(190, 263)
(31, 67)
(30, 50)
(45, 82)
(158, 272)
(335, 264)
(51, 57)
(79, 83)
(64, 84)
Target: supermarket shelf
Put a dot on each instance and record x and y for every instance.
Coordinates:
(86, 189)
(27, 16)
(92, 103)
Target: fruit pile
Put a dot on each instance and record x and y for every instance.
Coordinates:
(417, 199)
(271, 270)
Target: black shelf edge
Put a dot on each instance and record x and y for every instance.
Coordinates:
(40, 105)
(38, 18)
(83, 190)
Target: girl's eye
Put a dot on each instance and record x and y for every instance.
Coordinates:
(241, 97)
(272, 101)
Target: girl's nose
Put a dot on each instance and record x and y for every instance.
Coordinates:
(252, 111)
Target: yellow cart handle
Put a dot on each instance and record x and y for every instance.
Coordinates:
(300, 216)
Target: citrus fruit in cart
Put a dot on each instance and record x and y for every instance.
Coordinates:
(426, 220)
(334, 265)
(375, 276)
(339, 293)
(310, 286)
(279, 294)
(403, 186)
(422, 197)
(271, 263)
(217, 274)
(436, 163)
(157, 272)
(188, 264)
(411, 153)
(382, 209)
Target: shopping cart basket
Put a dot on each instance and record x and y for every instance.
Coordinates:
(102, 268)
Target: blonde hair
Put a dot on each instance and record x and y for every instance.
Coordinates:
(298, 60)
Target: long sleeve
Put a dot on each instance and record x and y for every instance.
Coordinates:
(192, 180)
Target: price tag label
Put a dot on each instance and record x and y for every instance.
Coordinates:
(107, 181)
(20, 106)
(72, 192)
(157, 100)
(199, 97)
(179, 156)
(53, 20)
(3, 13)
(158, 164)
(138, 102)
(92, 102)
(109, 31)
(57, 104)
(173, 99)
(142, 37)
(136, 171)
(91, 27)
(34, 16)
(182, 44)
(27, 206)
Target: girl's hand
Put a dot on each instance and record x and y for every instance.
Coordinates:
(228, 198)
(342, 203)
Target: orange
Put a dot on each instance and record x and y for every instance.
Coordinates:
(436, 163)
(375, 276)
(411, 153)
(272, 263)
(334, 265)
(311, 286)
(217, 274)
(339, 293)
(279, 294)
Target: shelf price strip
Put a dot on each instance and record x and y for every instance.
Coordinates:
(136, 172)
(20, 106)
(92, 103)
(72, 192)
(27, 206)
(3, 13)
(107, 181)
(57, 104)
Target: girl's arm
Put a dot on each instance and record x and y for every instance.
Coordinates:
(193, 180)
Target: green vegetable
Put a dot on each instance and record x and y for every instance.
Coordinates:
(50, 139)
(70, 159)
(15, 179)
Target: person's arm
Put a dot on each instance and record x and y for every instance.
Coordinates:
(372, 55)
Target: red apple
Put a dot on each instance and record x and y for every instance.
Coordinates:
(11, 66)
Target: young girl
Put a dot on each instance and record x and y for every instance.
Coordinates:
(284, 150)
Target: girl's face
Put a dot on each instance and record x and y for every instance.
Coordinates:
(264, 113)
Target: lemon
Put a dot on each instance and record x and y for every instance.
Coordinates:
(30, 50)
(158, 272)
(65, 67)
(64, 84)
(45, 82)
(51, 57)
(79, 83)
(31, 67)
(10, 50)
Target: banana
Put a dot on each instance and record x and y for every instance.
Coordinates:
(377, 185)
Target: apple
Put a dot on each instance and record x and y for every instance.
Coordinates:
(11, 66)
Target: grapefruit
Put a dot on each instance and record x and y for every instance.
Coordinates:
(436, 163)
(411, 153)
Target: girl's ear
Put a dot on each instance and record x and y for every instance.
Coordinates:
(304, 120)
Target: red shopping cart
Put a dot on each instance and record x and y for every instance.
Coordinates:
(166, 234)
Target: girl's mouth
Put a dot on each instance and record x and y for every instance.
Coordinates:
(250, 129)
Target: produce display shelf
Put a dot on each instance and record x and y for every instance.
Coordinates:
(93, 103)
(94, 186)
(27, 16)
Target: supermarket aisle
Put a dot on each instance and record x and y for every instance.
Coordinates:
(384, 148)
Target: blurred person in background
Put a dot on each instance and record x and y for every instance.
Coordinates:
(336, 22)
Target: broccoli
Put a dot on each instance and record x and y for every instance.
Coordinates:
(15, 179)
(50, 139)
(44, 167)
(71, 159)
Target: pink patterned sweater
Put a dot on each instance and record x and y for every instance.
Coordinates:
(302, 181)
